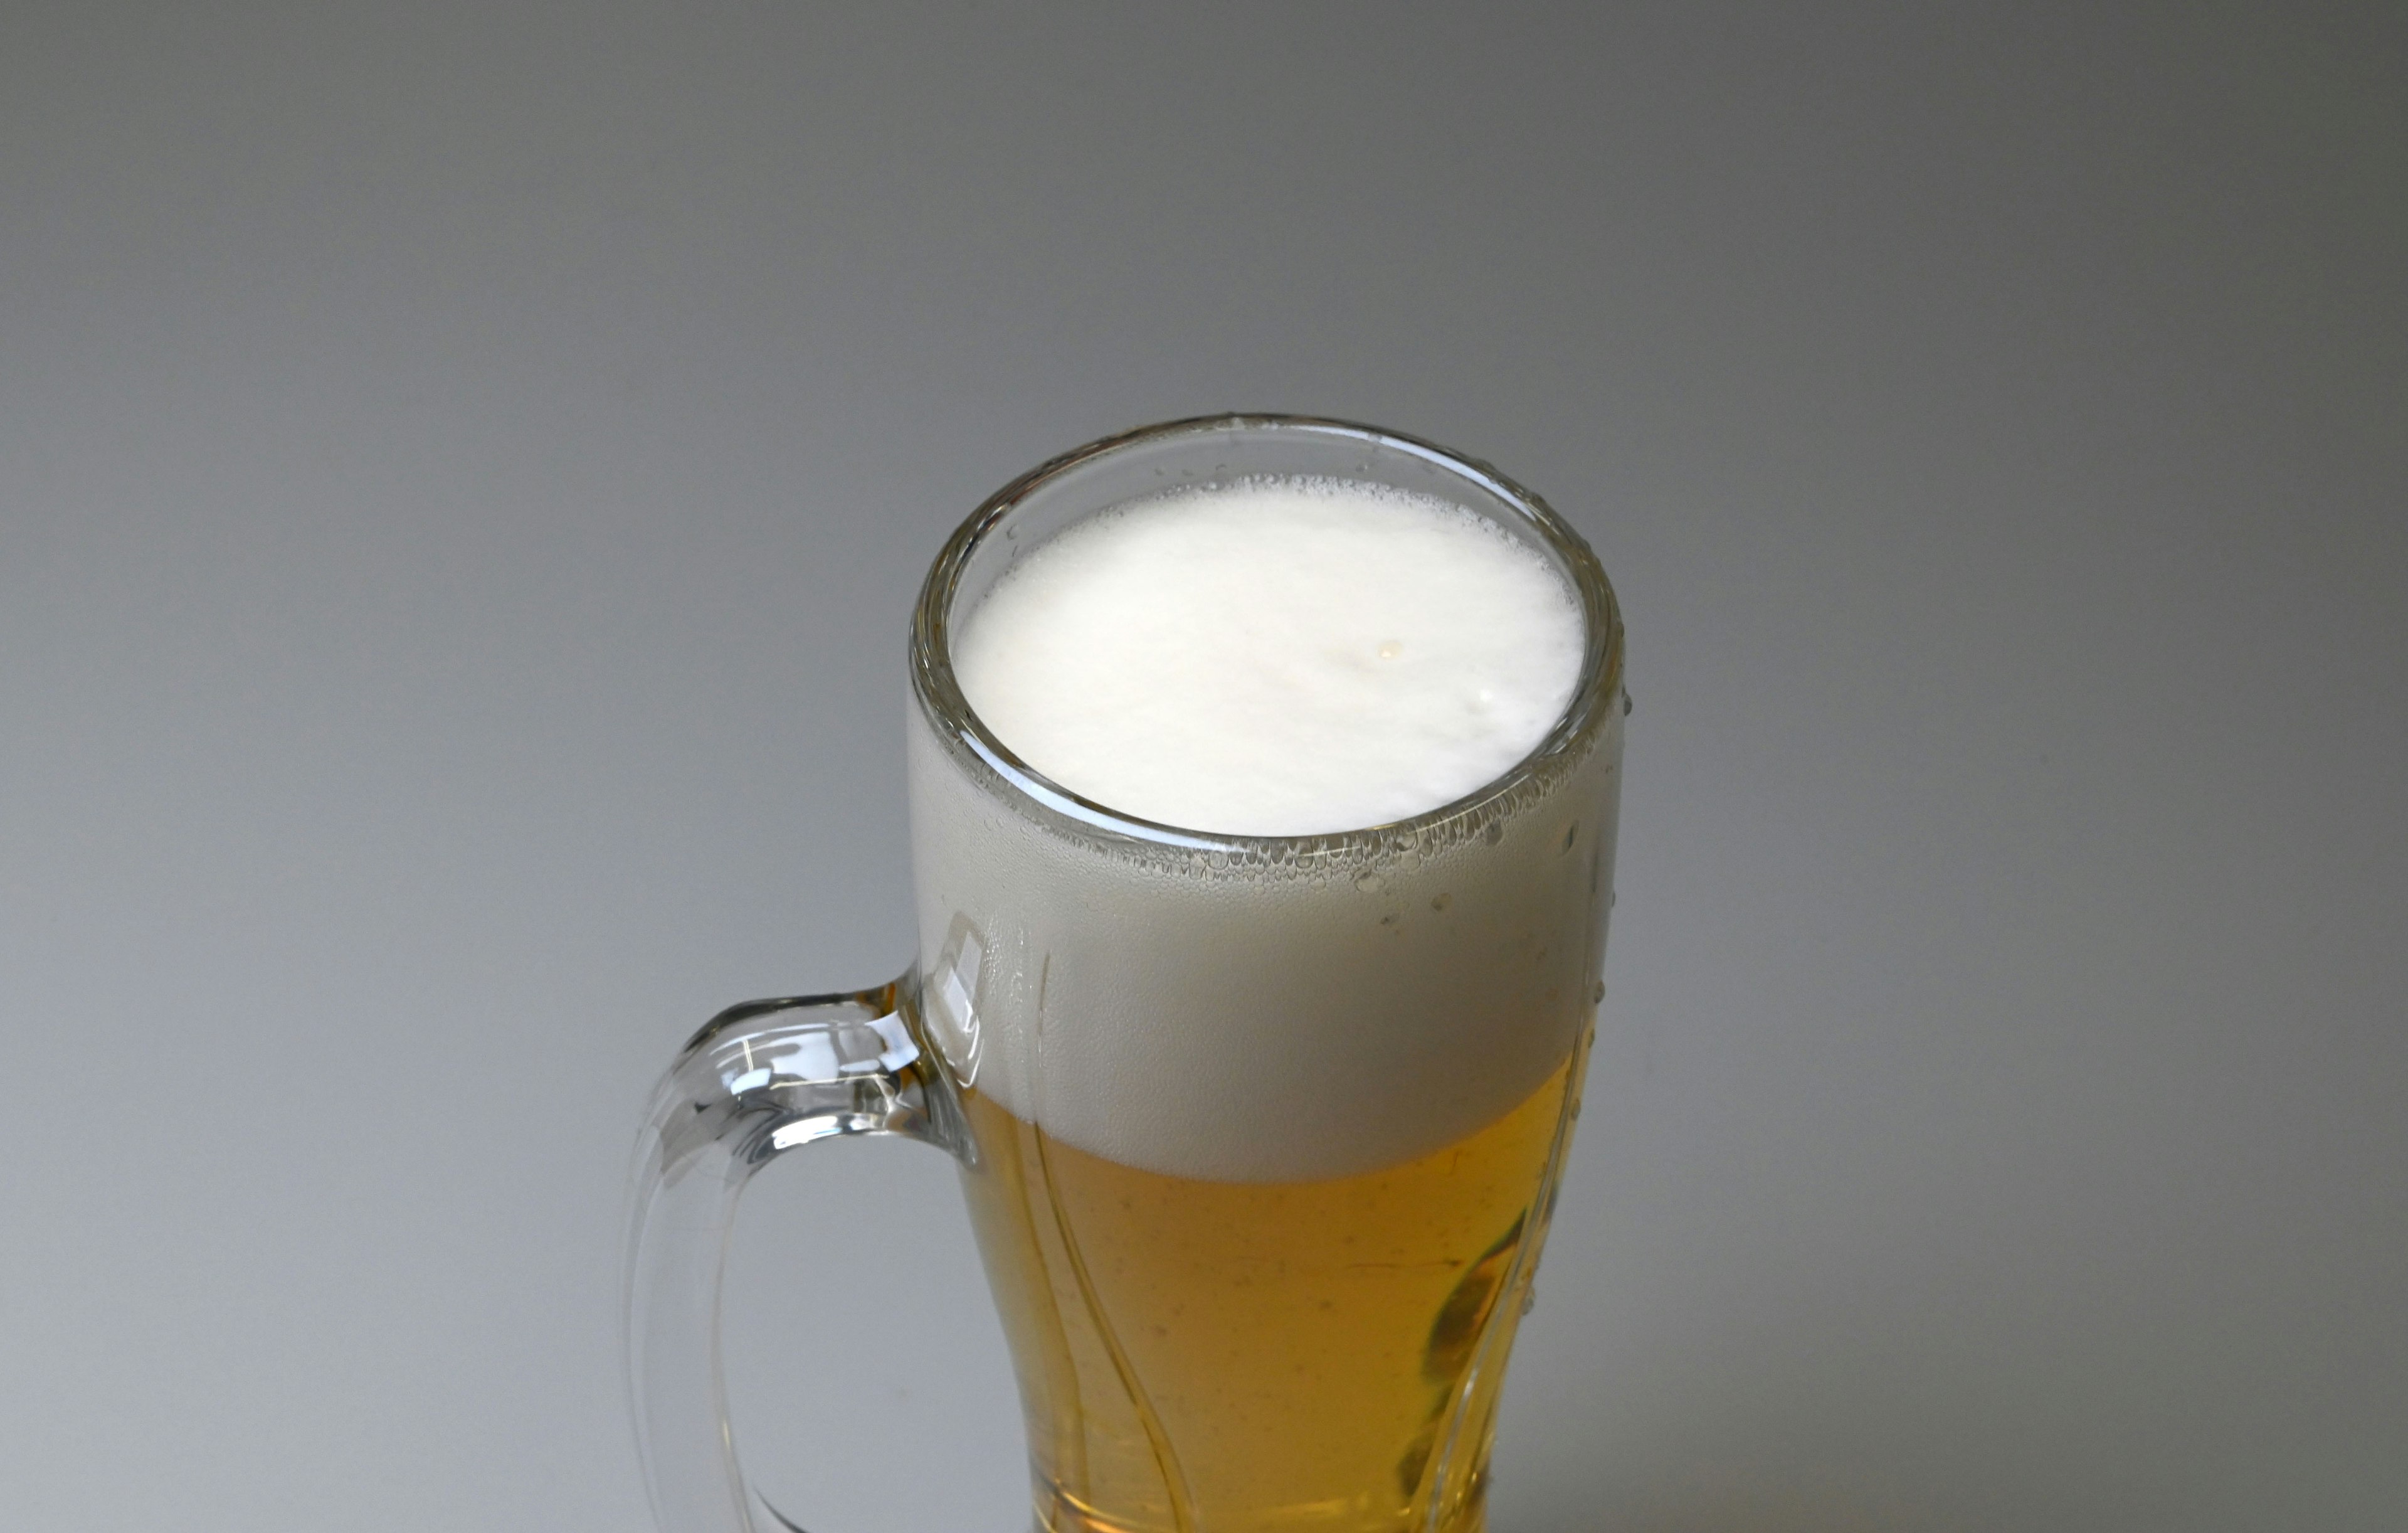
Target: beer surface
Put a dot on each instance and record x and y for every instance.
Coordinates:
(1274, 658)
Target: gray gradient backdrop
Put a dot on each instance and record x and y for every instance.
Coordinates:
(463, 469)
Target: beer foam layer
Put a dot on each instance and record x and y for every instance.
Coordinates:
(1274, 658)
(1287, 1009)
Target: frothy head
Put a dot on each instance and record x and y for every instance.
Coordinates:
(1383, 729)
(1274, 657)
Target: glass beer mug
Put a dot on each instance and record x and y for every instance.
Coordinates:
(1260, 1133)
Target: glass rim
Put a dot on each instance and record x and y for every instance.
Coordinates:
(958, 726)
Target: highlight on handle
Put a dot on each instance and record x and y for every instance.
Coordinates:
(759, 1080)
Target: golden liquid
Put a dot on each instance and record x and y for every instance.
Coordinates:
(1226, 1357)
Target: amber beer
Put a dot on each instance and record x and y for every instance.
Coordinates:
(1287, 1355)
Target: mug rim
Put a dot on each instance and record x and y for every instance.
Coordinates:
(964, 734)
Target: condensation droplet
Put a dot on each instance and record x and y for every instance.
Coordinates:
(1571, 833)
(1439, 902)
(1370, 883)
(1495, 833)
(1597, 995)
(1390, 649)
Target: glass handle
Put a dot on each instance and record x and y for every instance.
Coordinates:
(760, 1079)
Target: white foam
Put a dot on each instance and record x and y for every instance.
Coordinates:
(1274, 658)
(1279, 1017)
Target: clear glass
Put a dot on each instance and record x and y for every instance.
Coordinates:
(1260, 1135)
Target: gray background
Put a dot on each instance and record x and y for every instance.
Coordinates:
(462, 467)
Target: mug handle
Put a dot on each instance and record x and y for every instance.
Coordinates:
(759, 1080)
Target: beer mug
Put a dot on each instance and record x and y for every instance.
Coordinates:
(1260, 1133)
